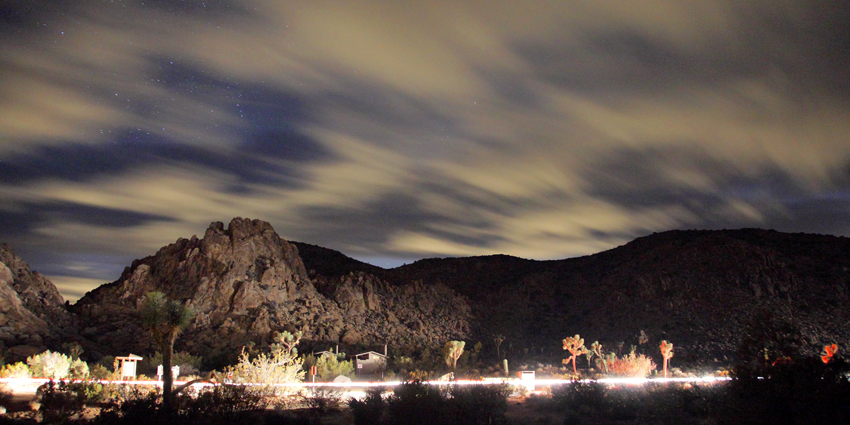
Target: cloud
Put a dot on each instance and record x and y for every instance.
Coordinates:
(73, 288)
(436, 128)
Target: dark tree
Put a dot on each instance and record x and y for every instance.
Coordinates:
(164, 318)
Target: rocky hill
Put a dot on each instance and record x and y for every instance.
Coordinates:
(244, 283)
(703, 290)
(32, 313)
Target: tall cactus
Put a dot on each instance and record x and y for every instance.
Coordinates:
(666, 353)
(575, 345)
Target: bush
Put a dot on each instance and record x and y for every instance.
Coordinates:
(281, 365)
(479, 404)
(580, 398)
(139, 408)
(329, 366)
(222, 400)
(401, 365)
(49, 365)
(323, 399)
(649, 403)
(801, 391)
(98, 371)
(370, 410)
(415, 403)
(56, 366)
(222, 404)
(17, 370)
(59, 402)
(418, 403)
(79, 369)
(631, 365)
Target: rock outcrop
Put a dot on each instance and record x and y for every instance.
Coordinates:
(244, 283)
(32, 312)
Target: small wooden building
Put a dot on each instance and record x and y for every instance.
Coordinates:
(370, 362)
(127, 365)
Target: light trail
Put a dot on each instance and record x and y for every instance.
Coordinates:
(30, 385)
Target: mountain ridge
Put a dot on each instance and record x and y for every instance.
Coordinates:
(701, 289)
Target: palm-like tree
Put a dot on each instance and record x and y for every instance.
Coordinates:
(164, 318)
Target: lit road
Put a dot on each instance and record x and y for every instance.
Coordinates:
(20, 386)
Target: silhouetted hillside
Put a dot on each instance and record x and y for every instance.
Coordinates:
(330, 263)
(701, 290)
(698, 288)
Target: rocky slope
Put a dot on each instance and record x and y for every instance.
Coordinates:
(700, 289)
(244, 283)
(32, 313)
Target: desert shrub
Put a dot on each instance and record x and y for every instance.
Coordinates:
(54, 365)
(307, 361)
(90, 391)
(401, 364)
(98, 371)
(648, 403)
(369, 410)
(323, 399)
(329, 366)
(673, 403)
(78, 369)
(222, 404)
(17, 370)
(415, 403)
(428, 359)
(222, 400)
(580, 399)
(471, 358)
(418, 375)
(59, 402)
(631, 365)
(479, 404)
(279, 366)
(108, 362)
(49, 365)
(800, 391)
(139, 408)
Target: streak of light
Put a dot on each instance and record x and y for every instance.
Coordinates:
(29, 385)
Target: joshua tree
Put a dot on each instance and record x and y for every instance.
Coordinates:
(828, 353)
(666, 353)
(595, 350)
(164, 318)
(452, 351)
(499, 338)
(575, 345)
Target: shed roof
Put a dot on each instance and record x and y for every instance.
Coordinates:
(130, 356)
(370, 352)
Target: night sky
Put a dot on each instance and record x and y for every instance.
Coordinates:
(399, 130)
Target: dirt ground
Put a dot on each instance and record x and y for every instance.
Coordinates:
(520, 411)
